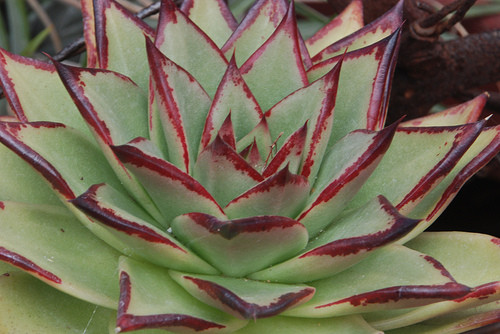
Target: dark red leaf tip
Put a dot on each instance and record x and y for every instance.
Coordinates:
(27, 265)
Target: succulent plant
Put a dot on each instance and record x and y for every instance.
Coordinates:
(210, 176)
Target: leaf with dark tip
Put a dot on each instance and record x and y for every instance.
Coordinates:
(173, 191)
(213, 17)
(283, 194)
(28, 82)
(258, 25)
(137, 236)
(41, 239)
(345, 168)
(150, 299)
(252, 155)
(230, 245)
(467, 112)
(382, 27)
(345, 23)
(233, 95)
(424, 157)
(241, 297)
(261, 136)
(179, 39)
(363, 94)
(275, 69)
(66, 159)
(226, 132)
(89, 33)
(120, 33)
(471, 258)
(394, 277)
(223, 172)
(347, 241)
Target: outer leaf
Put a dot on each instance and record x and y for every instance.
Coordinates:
(173, 191)
(189, 47)
(30, 306)
(223, 172)
(378, 29)
(363, 94)
(275, 69)
(346, 242)
(243, 298)
(424, 157)
(230, 245)
(283, 194)
(345, 168)
(278, 325)
(89, 33)
(183, 107)
(233, 96)
(41, 240)
(346, 23)
(138, 237)
(471, 258)
(149, 298)
(119, 33)
(467, 112)
(394, 277)
(213, 17)
(257, 26)
(35, 92)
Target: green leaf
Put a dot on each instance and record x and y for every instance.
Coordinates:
(35, 92)
(150, 299)
(243, 298)
(137, 237)
(394, 277)
(347, 241)
(179, 39)
(41, 239)
(120, 41)
(18, 25)
(211, 16)
(345, 23)
(30, 306)
(229, 245)
(275, 69)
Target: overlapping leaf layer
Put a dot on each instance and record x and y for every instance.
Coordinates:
(215, 177)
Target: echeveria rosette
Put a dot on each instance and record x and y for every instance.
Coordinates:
(210, 176)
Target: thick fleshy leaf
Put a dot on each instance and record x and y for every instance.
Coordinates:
(150, 299)
(41, 239)
(380, 28)
(467, 112)
(346, 242)
(257, 26)
(275, 69)
(233, 96)
(485, 147)
(230, 245)
(183, 107)
(278, 325)
(213, 17)
(346, 23)
(119, 33)
(140, 238)
(64, 157)
(30, 306)
(35, 92)
(345, 168)
(188, 46)
(471, 258)
(223, 172)
(424, 157)
(261, 136)
(173, 191)
(21, 183)
(392, 278)
(241, 297)
(283, 194)
(89, 33)
(111, 104)
(363, 94)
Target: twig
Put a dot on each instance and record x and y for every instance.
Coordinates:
(40, 12)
